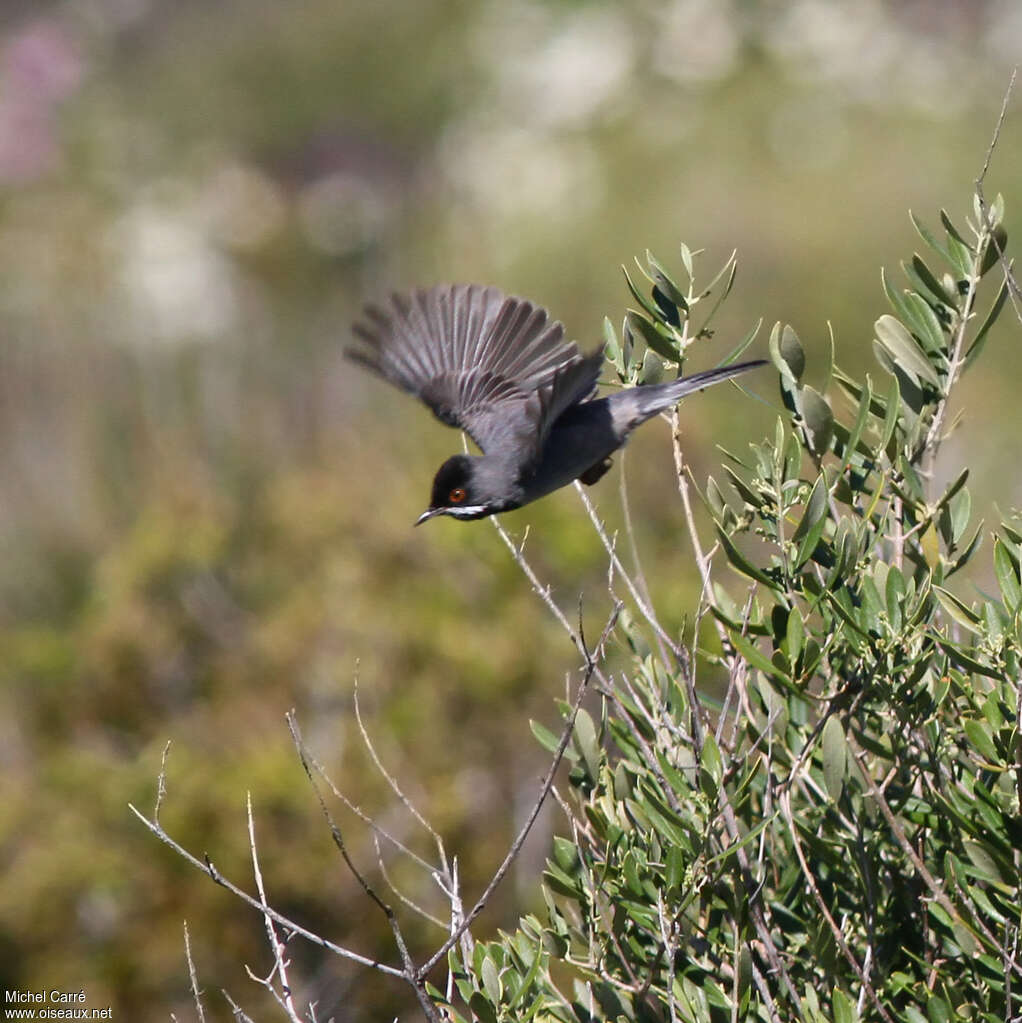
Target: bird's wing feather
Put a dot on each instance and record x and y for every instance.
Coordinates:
(494, 366)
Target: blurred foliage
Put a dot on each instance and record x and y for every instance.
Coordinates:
(205, 512)
(841, 841)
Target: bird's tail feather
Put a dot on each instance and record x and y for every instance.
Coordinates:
(655, 398)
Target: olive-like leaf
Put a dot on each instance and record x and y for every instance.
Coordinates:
(739, 561)
(994, 250)
(588, 743)
(835, 756)
(924, 280)
(904, 350)
(653, 338)
(818, 419)
(786, 351)
(652, 371)
(1007, 574)
(991, 318)
(664, 282)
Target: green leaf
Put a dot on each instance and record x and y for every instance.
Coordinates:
(818, 419)
(994, 249)
(893, 406)
(652, 371)
(835, 756)
(755, 657)
(855, 434)
(794, 634)
(491, 981)
(984, 863)
(904, 350)
(747, 494)
(966, 661)
(979, 736)
(665, 283)
(1007, 574)
(937, 1010)
(958, 610)
(791, 352)
(686, 259)
(844, 1007)
(991, 318)
(742, 345)
(675, 872)
(711, 759)
(925, 325)
(545, 737)
(970, 549)
(731, 267)
(960, 251)
(894, 595)
(648, 304)
(482, 1009)
(566, 855)
(816, 508)
(611, 348)
(640, 326)
(588, 743)
(925, 280)
(813, 522)
(931, 239)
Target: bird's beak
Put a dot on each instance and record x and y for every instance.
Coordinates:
(429, 513)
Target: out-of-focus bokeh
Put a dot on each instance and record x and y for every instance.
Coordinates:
(205, 511)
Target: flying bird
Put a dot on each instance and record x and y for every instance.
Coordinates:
(499, 368)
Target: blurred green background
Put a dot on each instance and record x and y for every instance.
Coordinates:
(205, 511)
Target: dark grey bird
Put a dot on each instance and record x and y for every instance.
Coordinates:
(498, 368)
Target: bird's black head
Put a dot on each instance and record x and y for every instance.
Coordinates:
(472, 487)
(458, 491)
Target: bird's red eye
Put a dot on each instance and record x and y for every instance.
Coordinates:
(457, 495)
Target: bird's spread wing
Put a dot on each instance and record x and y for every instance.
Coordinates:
(494, 366)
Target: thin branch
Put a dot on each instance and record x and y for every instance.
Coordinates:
(406, 900)
(211, 871)
(283, 996)
(633, 547)
(392, 783)
(192, 976)
(161, 787)
(239, 1014)
(1009, 278)
(367, 820)
(680, 653)
(409, 972)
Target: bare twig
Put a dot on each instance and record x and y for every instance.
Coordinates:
(1014, 293)
(192, 976)
(633, 547)
(161, 786)
(239, 1014)
(680, 653)
(367, 820)
(392, 783)
(283, 997)
(405, 899)
(409, 971)
(211, 871)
